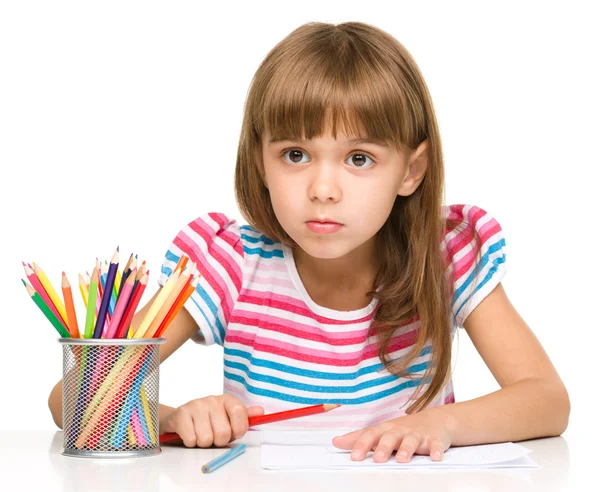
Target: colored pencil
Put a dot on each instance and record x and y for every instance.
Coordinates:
(91, 307)
(83, 288)
(130, 311)
(269, 418)
(179, 286)
(47, 311)
(184, 296)
(226, 457)
(70, 307)
(39, 288)
(51, 292)
(156, 305)
(110, 279)
(120, 307)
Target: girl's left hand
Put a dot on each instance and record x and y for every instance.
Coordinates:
(425, 432)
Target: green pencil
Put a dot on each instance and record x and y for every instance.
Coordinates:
(91, 307)
(47, 311)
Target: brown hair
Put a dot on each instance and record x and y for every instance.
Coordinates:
(364, 76)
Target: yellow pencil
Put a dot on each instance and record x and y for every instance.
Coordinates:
(164, 309)
(147, 414)
(83, 290)
(156, 305)
(51, 292)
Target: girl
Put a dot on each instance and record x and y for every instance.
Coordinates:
(351, 277)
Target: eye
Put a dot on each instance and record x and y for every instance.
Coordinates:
(295, 155)
(360, 162)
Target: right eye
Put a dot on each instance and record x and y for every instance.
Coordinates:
(295, 155)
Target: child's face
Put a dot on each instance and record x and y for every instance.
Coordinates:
(354, 184)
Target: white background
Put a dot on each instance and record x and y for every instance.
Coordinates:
(119, 123)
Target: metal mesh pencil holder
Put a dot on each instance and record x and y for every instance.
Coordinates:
(110, 397)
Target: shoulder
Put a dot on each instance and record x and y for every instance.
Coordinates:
(475, 252)
(469, 226)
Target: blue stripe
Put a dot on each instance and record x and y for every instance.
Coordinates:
(490, 274)
(316, 401)
(261, 239)
(482, 262)
(172, 256)
(320, 388)
(213, 309)
(263, 253)
(348, 376)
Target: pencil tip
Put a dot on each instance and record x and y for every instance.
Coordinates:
(24, 282)
(117, 247)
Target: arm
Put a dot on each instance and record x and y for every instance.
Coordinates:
(532, 402)
(180, 330)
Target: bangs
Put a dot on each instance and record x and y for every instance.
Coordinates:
(329, 87)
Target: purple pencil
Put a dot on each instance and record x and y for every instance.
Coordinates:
(110, 280)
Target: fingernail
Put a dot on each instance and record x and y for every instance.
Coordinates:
(355, 454)
(404, 454)
(379, 454)
(437, 455)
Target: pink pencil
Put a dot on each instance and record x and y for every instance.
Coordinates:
(121, 305)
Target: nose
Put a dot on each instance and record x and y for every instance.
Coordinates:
(325, 185)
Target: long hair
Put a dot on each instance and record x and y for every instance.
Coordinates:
(360, 78)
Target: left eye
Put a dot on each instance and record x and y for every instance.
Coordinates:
(361, 160)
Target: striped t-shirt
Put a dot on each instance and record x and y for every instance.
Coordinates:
(283, 351)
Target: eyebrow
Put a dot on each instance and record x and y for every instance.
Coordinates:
(353, 141)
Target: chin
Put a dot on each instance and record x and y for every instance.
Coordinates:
(324, 248)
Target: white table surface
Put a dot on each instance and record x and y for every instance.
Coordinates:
(33, 461)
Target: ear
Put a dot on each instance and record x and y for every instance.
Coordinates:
(416, 167)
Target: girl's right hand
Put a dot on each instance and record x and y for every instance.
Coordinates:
(211, 420)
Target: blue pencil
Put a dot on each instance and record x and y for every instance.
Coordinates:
(224, 458)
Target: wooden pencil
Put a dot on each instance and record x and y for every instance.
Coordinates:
(110, 280)
(184, 296)
(39, 288)
(51, 292)
(156, 305)
(91, 307)
(47, 311)
(70, 306)
(130, 311)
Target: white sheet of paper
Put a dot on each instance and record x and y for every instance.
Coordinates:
(313, 450)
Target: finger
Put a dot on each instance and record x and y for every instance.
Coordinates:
(238, 417)
(346, 441)
(202, 428)
(436, 452)
(365, 443)
(388, 442)
(410, 442)
(255, 411)
(221, 427)
(185, 428)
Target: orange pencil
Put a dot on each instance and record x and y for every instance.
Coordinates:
(70, 307)
(179, 302)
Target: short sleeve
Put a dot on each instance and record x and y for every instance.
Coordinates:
(474, 272)
(213, 243)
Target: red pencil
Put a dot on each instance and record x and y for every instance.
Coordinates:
(267, 419)
(131, 307)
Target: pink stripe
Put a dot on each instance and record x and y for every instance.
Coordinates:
(224, 257)
(298, 330)
(298, 352)
(293, 306)
(272, 266)
(272, 281)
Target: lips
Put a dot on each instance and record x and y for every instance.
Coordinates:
(324, 221)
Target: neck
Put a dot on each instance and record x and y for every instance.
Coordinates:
(355, 270)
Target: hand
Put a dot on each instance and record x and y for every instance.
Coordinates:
(211, 420)
(425, 432)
